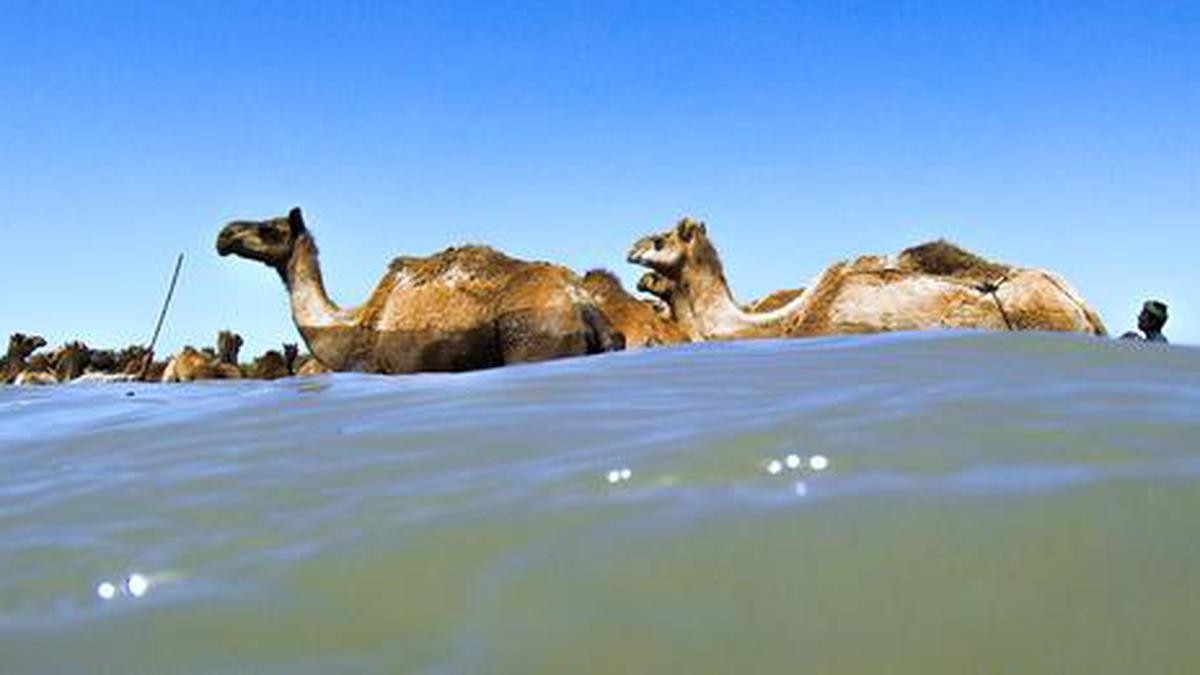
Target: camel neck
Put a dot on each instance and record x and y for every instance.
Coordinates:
(714, 311)
(708, 301)
(311, 306)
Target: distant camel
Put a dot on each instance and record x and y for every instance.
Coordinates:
(16, 360)
(272, 365)
(191, 365)
(461, 309)
(228, 346)
(936, 285)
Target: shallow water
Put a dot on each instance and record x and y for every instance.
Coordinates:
(990, 503)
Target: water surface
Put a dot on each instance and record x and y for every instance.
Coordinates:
(987, 503)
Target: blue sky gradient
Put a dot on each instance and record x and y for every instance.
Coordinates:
(1058, 135)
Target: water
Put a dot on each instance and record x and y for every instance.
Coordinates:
(991, 503)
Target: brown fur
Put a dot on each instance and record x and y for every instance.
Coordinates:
(311, 366)
(461, 309)
(638, 321)
(16, 359)
(191, 365)
(228, 346)
(941, 258)
(70, 361)
(774, 300)
(270, 366)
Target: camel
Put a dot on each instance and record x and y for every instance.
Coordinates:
(462, 309)
(228, 346)
(191, 365)
(270, 366)
(16, 360)
(637, 320)
(71, 360)
(131, 359)
(935, 285)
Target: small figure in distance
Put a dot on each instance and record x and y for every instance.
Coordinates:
(1150, 322)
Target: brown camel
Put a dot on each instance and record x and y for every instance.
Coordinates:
(71, 360)
(131, 359)
(191, 365)
(936, 285)
(270, 366)
(461, 309)
(16, 360)
(228, 346)
(636, 320)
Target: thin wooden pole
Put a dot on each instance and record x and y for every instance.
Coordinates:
(161, 316)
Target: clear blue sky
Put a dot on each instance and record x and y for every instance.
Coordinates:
(1059, 135)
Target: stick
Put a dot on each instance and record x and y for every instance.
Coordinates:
(161, 315)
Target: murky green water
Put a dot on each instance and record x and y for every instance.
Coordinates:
(988, 504)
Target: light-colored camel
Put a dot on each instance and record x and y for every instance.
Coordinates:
(191, 365)
(637, 320)
(461, 309)
(932, 286)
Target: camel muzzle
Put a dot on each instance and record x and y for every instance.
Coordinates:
(228, 240)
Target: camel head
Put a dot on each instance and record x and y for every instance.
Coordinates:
(20, 345)
(291, 352)
(228, 346)
(268, 241)
(668, 252)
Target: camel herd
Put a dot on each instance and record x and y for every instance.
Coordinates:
(474, 307)
(76, 362)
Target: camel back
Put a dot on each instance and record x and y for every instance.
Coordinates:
(484, 265)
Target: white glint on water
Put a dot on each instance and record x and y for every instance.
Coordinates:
(106, 591)
(137, 585)
(793, 461)
(774, 467)
(819, 462)
(618, 475)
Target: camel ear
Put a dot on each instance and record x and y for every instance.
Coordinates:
(296, 219)
(688, 227)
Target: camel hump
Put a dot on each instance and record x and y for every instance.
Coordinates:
(943, 258)
(600, 280)
(456, 263)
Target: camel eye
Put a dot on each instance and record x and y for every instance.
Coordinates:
(658, 243)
